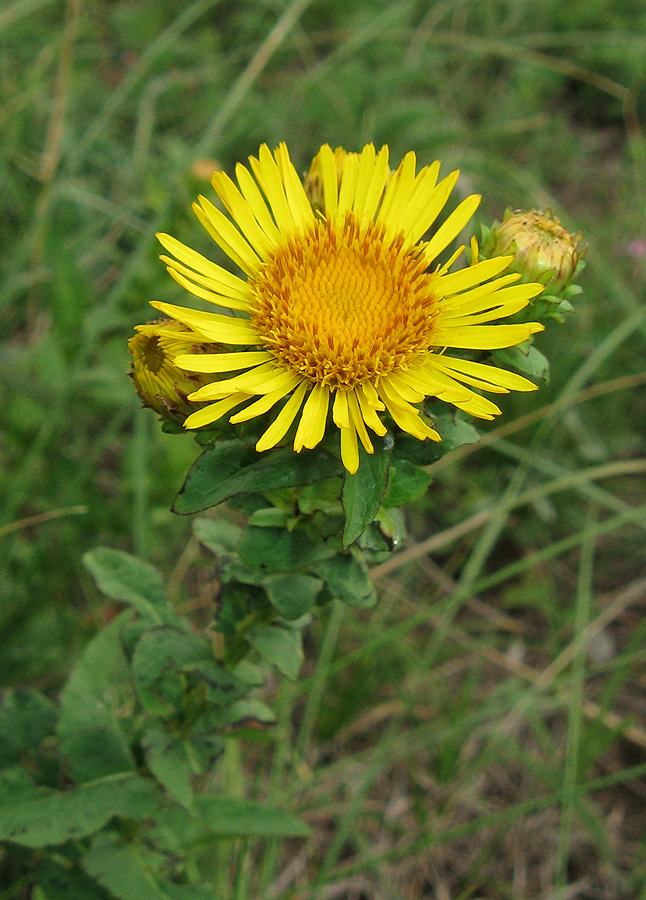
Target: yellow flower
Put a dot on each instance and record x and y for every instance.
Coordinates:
(340, 306)
(161, 386)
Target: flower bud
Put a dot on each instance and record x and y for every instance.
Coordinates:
(161, 386)
(543, 250)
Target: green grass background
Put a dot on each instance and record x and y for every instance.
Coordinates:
(485, 740)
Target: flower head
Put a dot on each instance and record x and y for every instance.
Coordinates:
(543, 250)
(342, 304)
(161, 386)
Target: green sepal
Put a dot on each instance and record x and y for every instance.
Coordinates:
(233, 468)
(363, 492)
(526, 360)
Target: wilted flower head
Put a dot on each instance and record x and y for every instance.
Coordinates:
(160, 384)
(543, 250)
(341, 303)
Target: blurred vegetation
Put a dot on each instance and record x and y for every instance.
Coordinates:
(112, 114)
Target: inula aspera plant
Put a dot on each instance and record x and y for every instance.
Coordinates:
(349, 345)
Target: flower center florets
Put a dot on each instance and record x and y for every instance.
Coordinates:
(339, 305)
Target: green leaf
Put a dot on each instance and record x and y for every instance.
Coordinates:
(454, 431)
(406, 482)
(233, 817)
(93, 704)
(160, 657)
(271, 517)
(348, 579)
(60, 881)
(525, 359)
(27, 717)
(292, 595)
(233, 468)
(282, 647)
(363, 493)
(250, 713)
(168, 760)
(131, 580)
(278, 550)
(126, 870)
(218, 535)
(39, 818)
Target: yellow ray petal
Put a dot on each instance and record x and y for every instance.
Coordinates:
(480, 407)
(251, 192)
(455, 282)
(452, 258)
(492, 374)
(464, 378)
(330, 181)
(214, 411)
(516, 297)
(405, 391)
(488, 315)
(364, 177)
(281, 424)
(268, 177)
(399, 188)
(245, 383)
(299, 205)
(216, 298)
(370, 417)
(266, 382)
(227, 236)
(347, 189)
(260, 407)
(485, 337)
(376, 187)
(349, 449)
(452, 227)
(214, 327)
(228, 283)
(242, 215)
(407, 214)
(433, 205)
(435, 383)
(474, 299)
(311, 427)
(340, 412)
(357, 421)
(405, 415)
(212, 363)
(241, 299)
(372, 396)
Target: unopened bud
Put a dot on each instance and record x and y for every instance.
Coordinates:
(543, 250)
(160, 384)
